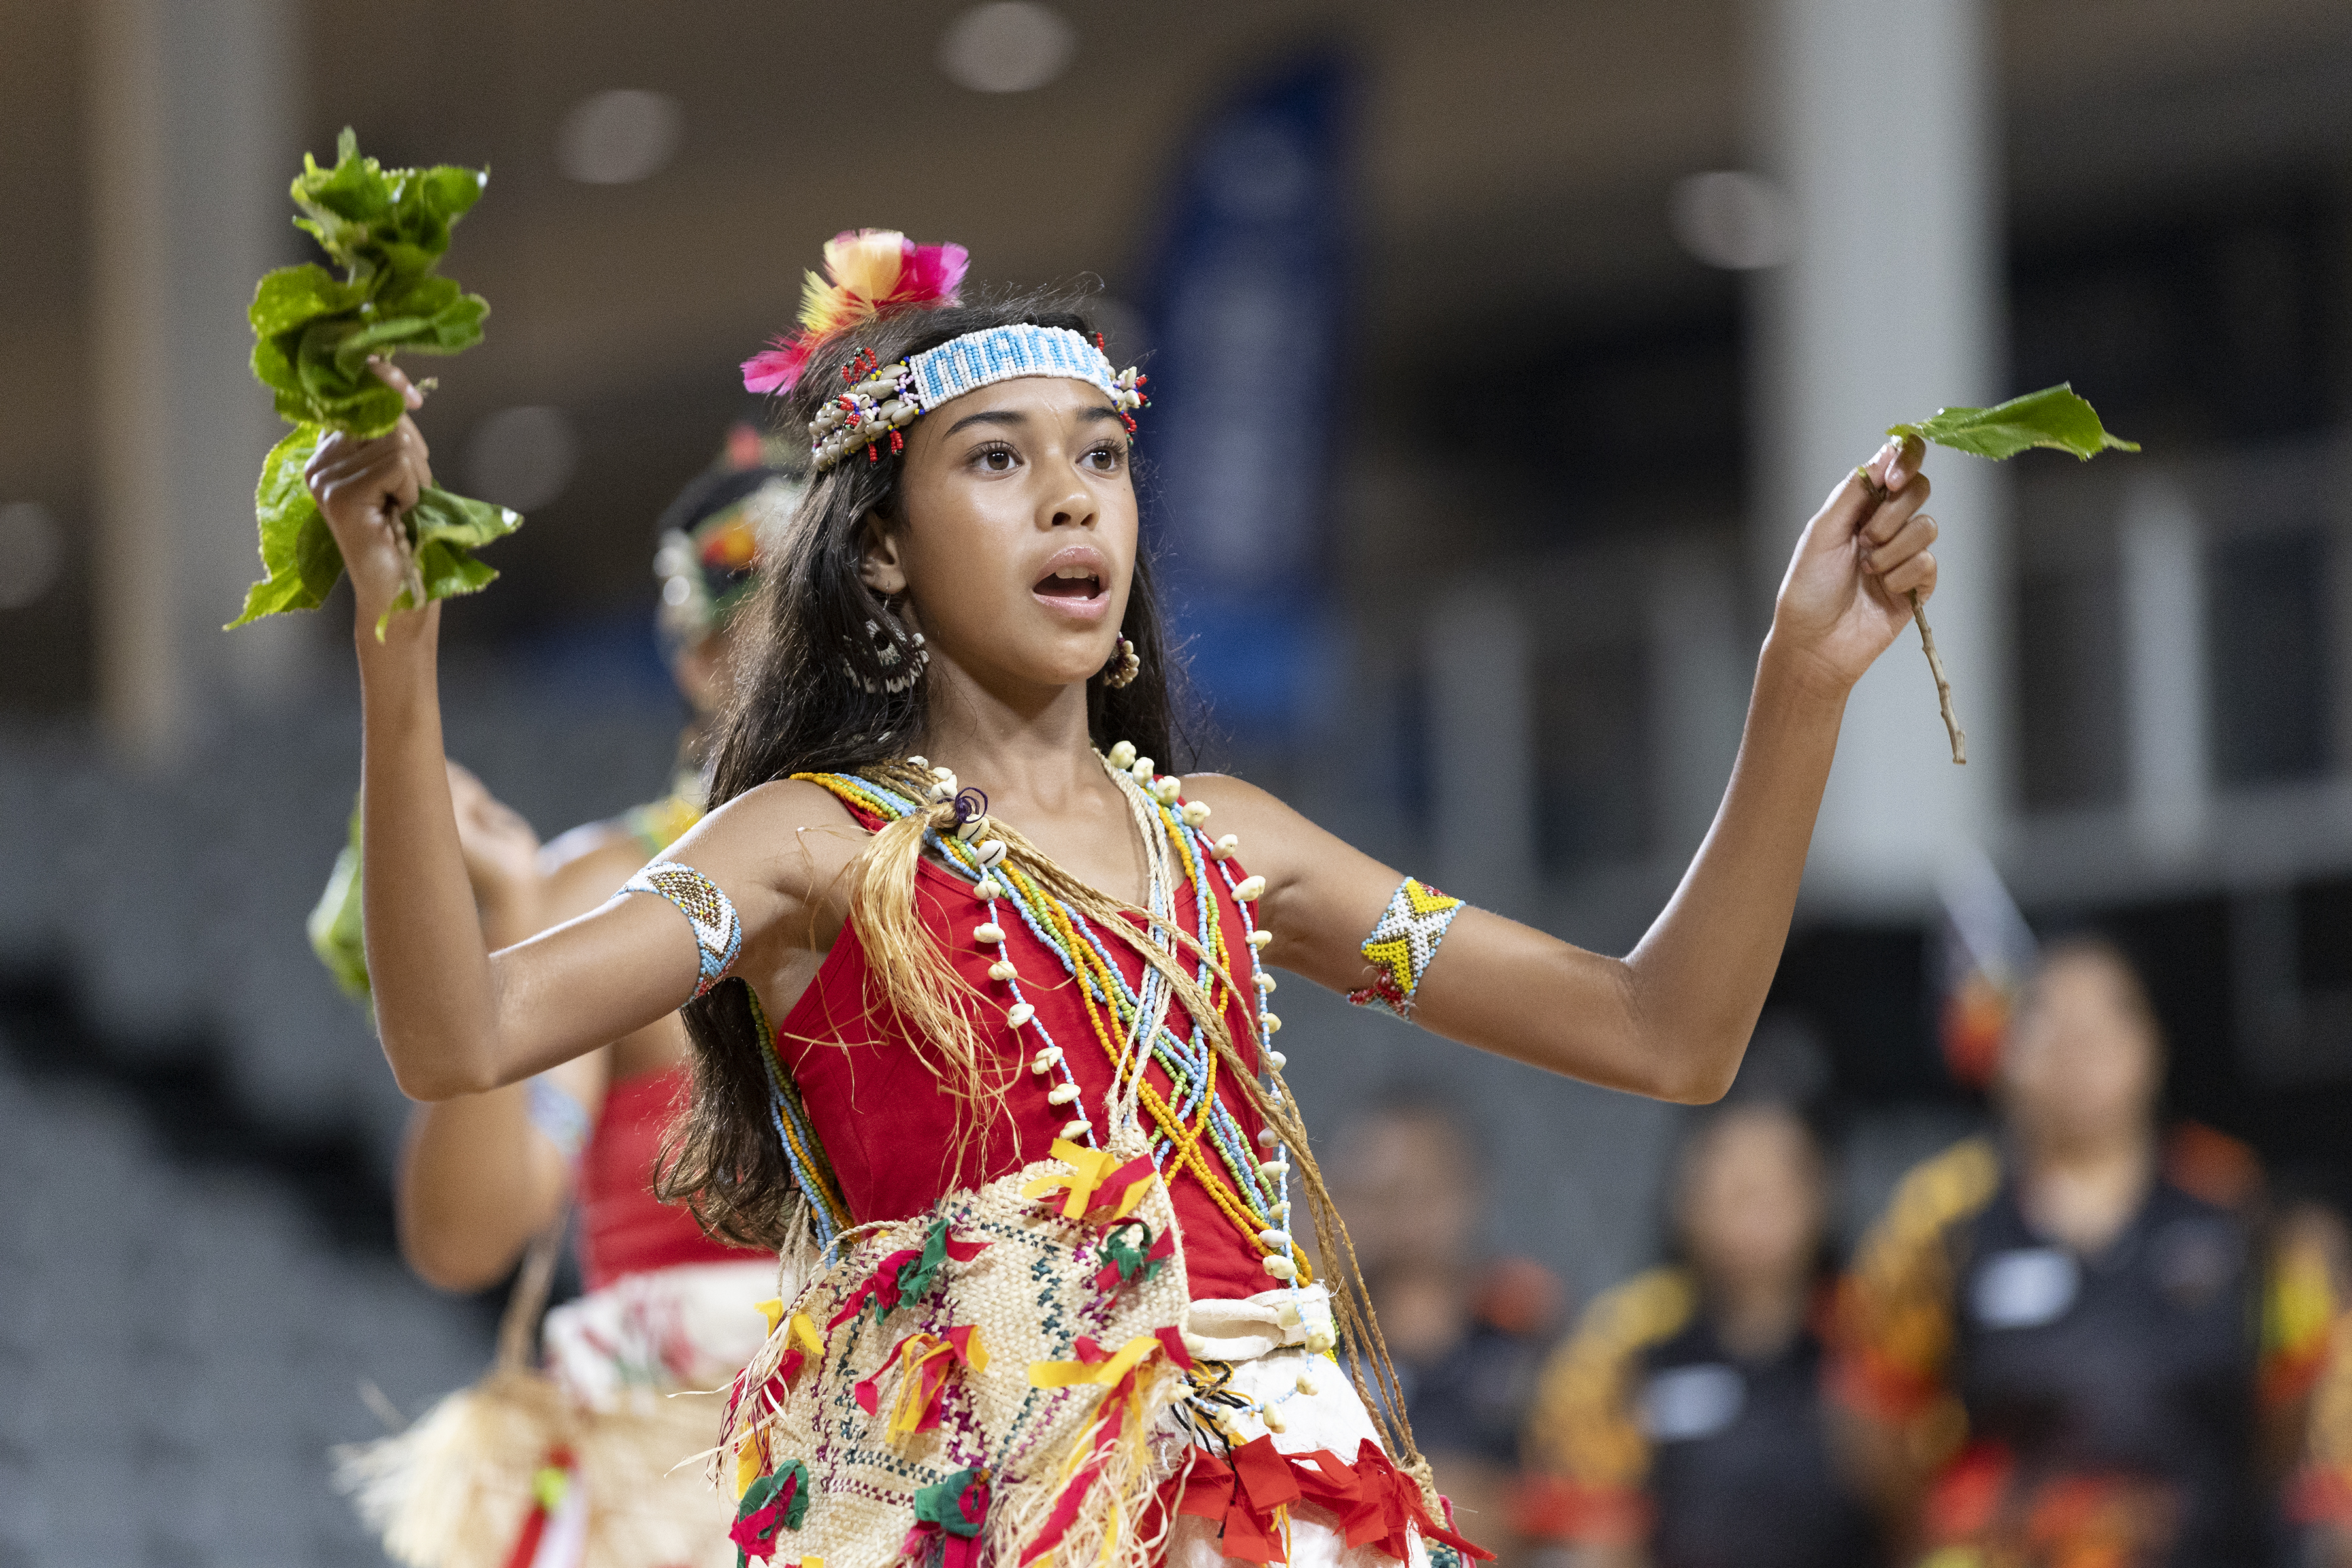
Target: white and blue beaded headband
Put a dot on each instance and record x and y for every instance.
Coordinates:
(888, 398)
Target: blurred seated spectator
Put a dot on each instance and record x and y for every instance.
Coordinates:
(1467, 1339)
(2311, 1286)
(2052, 1348)
(1682, 1425)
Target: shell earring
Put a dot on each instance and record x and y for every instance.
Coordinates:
(900, 655)
(1124, 667)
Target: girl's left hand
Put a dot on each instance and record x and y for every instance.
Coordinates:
(1847, 593)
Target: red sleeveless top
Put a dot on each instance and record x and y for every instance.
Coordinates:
(623, 1228)
(891, 1129)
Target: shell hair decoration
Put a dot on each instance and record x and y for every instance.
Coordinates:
(872, 270)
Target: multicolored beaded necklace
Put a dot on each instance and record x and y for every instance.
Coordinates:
(1191, 1125)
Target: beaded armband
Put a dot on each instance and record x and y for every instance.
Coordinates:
(1402, 944)
(717, 931)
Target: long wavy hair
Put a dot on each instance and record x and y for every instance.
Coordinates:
(830, 681)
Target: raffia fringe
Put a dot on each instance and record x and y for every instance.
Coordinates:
(455, 1489)
(1120, 1523)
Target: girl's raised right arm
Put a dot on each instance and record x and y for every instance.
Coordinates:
(454, 1018)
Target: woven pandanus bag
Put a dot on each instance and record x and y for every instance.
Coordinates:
(983, 1380)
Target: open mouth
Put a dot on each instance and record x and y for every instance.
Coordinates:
(1072, 583)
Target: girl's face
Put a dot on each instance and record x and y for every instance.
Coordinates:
(1019, 540)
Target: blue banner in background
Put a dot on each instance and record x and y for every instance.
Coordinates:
(1245, 306)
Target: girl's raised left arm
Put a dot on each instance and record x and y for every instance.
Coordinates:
(1672, 1018)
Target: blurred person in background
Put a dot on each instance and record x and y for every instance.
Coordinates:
(2311, 1305)
(574, 1470)
(2070, 1344)
(1682, 1426)
(1468, 1335)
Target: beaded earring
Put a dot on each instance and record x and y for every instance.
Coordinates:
(898, 654)
(1124, 667)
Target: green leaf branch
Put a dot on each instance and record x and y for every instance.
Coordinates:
(2053, 417)
(315, 332)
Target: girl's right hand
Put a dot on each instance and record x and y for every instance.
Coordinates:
(363, 488)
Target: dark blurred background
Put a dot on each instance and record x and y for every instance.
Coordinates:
(1500, 350)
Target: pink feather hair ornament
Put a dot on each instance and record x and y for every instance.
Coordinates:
(868, 271)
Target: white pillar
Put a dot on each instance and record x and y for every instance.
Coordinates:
(2165, 692)
(1699, 674)
(1878, 116)
(1482, 749)
(190, 147)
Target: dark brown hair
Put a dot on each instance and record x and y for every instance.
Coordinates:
(815, 695)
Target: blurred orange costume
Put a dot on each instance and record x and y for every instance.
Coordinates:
(1647, 1432)
(2096, 1412)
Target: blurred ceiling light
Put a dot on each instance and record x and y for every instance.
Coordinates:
(618, 137)
(521, 458)
(32, 551)
(1736, 221)
(1007, 45)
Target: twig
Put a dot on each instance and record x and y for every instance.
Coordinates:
(1943, 686)
(1878, 494)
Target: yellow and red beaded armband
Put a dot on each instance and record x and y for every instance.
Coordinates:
(1402, 944)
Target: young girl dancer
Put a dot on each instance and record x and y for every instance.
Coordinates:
(1017, 1126)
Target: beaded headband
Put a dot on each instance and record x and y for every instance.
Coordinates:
(886, 399)
(871, 272)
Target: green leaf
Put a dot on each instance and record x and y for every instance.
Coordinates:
(451, 192)
(273, 366)
(335, 924)
(447, 530)
(2053, 417)
(459, 522)
(299, 562)
(419, 296)
(292, 296)
(359, 404)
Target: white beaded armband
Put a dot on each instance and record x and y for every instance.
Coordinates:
(718, 930)
(1402, 944)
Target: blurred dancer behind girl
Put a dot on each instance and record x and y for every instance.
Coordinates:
(1683, 1424)
(668, 1309)
(993, 1071)
(2054, 1343)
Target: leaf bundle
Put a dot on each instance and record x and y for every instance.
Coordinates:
(314, 333)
